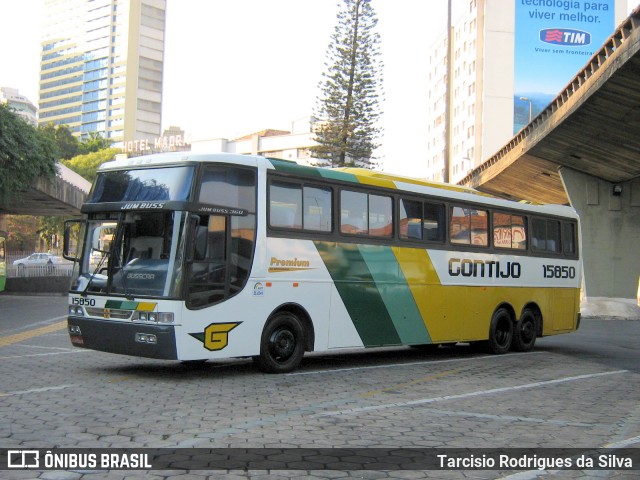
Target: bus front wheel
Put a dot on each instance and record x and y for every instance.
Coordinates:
(501, 332)
(282, 344)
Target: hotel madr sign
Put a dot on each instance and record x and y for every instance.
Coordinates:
(158, 144)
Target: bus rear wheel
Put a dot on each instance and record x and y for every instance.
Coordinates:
(501, 332)
(282, 344)
(524, 337)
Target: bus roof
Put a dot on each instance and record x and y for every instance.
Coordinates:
(346, 174)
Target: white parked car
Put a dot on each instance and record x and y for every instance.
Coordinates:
(37, 259)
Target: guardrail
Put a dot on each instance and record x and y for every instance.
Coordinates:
(51, 270)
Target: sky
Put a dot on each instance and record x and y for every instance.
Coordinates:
(234, 67)
(241, 66)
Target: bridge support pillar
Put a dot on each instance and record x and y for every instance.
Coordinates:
(610, 225)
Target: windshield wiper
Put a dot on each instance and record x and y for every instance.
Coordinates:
(123, 275)
(95, 271)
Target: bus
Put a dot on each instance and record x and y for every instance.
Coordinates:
(3, 260)
(192, 257)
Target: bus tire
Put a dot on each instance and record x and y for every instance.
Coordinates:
(524, 335)
(282, 344)
(501, 332)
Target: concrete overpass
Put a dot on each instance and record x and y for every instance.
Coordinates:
(584, 149)
(60, 196)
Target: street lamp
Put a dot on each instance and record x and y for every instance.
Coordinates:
(525, 99)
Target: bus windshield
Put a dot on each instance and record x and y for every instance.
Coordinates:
(133, 254)
(156, 184)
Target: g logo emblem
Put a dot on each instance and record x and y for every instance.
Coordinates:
(216, 335)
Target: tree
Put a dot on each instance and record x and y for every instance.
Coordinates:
(25, 154)
(87, 165)
(50, 230)
(94, 142)
(67, 145)
(349, 107)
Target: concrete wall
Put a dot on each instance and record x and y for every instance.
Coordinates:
(610, 226)
(34, 285)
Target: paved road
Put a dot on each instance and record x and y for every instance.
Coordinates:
(578, 390)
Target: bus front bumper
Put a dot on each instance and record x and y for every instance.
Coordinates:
(140, 340)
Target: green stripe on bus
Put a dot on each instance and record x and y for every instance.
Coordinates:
(395, 293)
(337, 175)
(122, 305)
(291, 167)
(359, 293)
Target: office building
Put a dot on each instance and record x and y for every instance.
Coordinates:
(20, 104)
(102, 66)
(509, 59)
(294, 144)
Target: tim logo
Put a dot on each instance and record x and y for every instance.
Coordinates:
(565, 36)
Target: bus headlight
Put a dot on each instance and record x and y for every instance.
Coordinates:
(74, 330)
(76, 311)
(165, 317)
(153, 317)
(146, 338)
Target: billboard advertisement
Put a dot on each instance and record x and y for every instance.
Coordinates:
(554, 39)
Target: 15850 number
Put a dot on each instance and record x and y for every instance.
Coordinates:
(557, 271)
(83, 301)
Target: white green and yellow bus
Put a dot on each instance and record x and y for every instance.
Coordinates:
(206, 256)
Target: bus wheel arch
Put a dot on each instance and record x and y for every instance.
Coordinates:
(285, 337)
(305, 319)
(527, 328)
(501, 329)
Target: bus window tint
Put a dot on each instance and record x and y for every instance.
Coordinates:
(229, 187)
(569, 238)
(207, 272)
(353, 213)
(285, 205)
(468, 226)
(380, 216)
(317, 209)
(299, 207)
(509, 231)
(410, 220)
(421, 221)
(546, 235)
(433, 222)
(364, 214)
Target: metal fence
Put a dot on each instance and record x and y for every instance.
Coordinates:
(62, 269)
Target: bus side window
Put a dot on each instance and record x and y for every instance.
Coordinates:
(433, 222)
(299, 207)
(509, 231)
(469, 226)
(285, 205)
(366, 214)
(380, 216)
(539, 234)
(353, 213)
(546, 235)
(207, 272)
(410, 220)
(421, 221)
(317, 209)
(569, 238)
